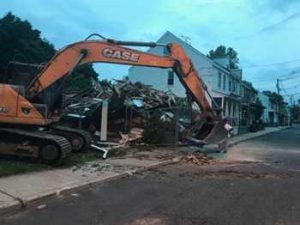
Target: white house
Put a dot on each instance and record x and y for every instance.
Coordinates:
(269, 116)
(223, 83)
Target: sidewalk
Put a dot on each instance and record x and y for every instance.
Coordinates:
(28, 189)
(244, 137)
(19, 191)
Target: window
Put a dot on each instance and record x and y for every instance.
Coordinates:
(234, 109)
(224, 82)
(171, 78)
(166, 51)
(229, 84)
(217, 103)
(219, 80)
(233, 85)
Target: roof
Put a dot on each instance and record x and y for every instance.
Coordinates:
(183, 43)
(248, 85)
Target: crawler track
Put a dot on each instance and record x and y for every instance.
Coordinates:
(32, 143)
(79, 139)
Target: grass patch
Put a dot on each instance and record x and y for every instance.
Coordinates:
(81, 158)
(12, 165)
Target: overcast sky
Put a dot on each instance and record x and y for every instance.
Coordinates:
(265, 33)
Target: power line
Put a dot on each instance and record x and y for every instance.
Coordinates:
(285, 89)
(264, 84)
(282, 88)
(291, 81)
(264, 81)
(271, 64)
(283, 77)
(297, 93)
(291, 77)
(292, 85)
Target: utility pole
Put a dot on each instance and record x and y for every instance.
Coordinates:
(291, 110)
(278, 93)
(277, 86)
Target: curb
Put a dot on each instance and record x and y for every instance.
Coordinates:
(253, 137)
(10, 208)
(33, 201)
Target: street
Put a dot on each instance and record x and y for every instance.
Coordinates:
(258, 182)
(280, 150)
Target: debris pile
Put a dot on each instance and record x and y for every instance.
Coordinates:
(131, 108)
(137, 113)
(142, 96)
(133, 134)
(198, 158)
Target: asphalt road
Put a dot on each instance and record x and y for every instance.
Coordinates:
(280, 150)
(248, 192)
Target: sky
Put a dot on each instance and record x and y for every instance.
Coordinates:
(265, 33)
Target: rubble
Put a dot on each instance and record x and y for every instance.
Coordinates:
(137, 113)
(105, 147)
(133, 135)
(131, 105)
(197, 158)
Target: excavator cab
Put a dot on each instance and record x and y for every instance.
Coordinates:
(18, 73)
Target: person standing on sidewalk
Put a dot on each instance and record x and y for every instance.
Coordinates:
(228, 127)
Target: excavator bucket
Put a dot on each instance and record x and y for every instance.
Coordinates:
(217, 133)
(209, 131)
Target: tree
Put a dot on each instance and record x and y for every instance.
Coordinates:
(295, 113)
(276, 98)
(258, 109)
(20, 42)
(80, 79)
(222, 51)
(281, 105)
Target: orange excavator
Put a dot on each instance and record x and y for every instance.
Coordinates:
(28, 114)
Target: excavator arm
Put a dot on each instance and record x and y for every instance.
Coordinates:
(111, 51)
(40, 105)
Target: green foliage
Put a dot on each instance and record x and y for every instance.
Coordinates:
(12, 165)
(222, 51)
(106, 83)
(154, 132)
(295, 113)
(20, 42)
(219, 52)
(181, 102)
(259, 109)
(158, 132)
(276, 98)
(80, 79)
(281, 105)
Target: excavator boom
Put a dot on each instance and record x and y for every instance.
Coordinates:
(39, 104)
(112, 52)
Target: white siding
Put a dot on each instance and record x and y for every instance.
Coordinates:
(207, 69)
(158, 78)
(269, 107)
(265, 102)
